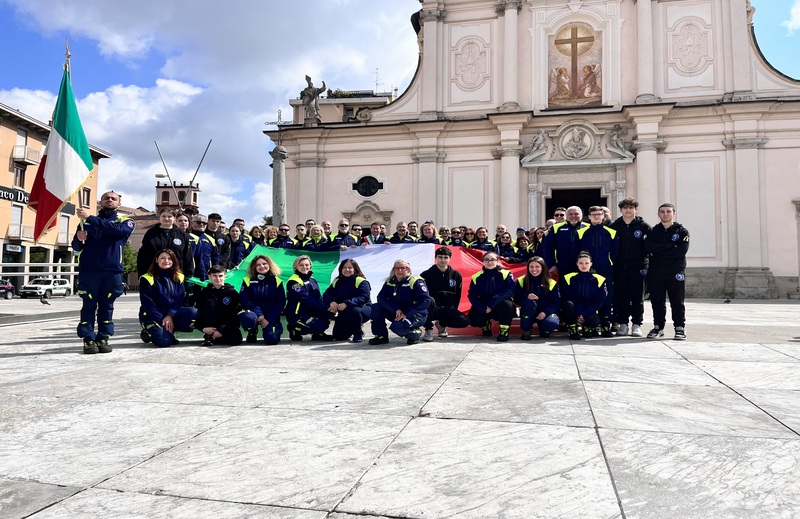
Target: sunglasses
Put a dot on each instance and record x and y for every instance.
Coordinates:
(560, 215)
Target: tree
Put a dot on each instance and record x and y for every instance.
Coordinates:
(266, 220)
(128, 259)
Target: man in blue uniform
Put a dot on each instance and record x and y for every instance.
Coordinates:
(99, 245)
(561, 244)
(204, 250)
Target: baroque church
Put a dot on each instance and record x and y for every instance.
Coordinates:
(519, 106)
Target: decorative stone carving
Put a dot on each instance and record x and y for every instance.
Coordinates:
(428, 157)
(367, 212)
(471, 65)
(364, 115)
(750, 12)
(745, 143)
(432, 15)
(577, 140)
(503, 5)
(538, 146)
(690, 53)
(616, 142)
(309, 162)
(507, 151)
(649, 145)
(796, 203)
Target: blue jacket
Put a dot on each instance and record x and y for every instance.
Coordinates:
(282, 242)
(263, 295)
(159, 296)
(602, 244)
(239, 251)
(561, 246)
(107, 234)
(205, 253)
(549, 300)
(409, 295)
(433, 239)
(395, 238)
(342, 238)
(352, 291)
(485, 245)
(319, 244)
(303, 297)
(510, 252)
(586, 290)
(490, 287)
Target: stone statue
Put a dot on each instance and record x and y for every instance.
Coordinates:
(537, 148)
(310, 97)
(616, 142)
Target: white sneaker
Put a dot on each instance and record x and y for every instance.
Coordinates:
(442, 330)
(636, 330)
(427, 336)
(623, 329)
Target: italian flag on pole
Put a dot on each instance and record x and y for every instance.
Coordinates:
(66, 164)
(375, 261)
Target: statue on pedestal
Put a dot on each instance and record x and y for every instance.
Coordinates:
(310, 97)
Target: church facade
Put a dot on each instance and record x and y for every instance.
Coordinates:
(519, 106)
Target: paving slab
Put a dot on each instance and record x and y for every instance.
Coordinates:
(699, 477)
(459, 427)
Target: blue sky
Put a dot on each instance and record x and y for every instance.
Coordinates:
(177, 73)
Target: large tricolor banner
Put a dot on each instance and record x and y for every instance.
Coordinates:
(66, 164)
(375, 261)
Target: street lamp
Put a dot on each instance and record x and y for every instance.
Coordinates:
(172, 183)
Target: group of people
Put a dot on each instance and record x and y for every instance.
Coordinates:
(586, 276)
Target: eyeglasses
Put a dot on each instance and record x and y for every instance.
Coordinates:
(559, 215)
(456, 232)
(284, 230)
(344, 225)
(470, 234)
(200, 223)
(596, 215)
(490, 260)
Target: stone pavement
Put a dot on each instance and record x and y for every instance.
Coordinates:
(460, 427)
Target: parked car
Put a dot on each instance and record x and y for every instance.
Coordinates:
(45, 287)
(6, 289)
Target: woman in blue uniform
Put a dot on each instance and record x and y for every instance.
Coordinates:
(538, 298)
(490, 293)
(161, 294)
(506, 249)
(348, 296)
(482, 241)
(306, 313)
(317, 241)
(263, 298)
(584, 295)
(403, 300)
(240, 247)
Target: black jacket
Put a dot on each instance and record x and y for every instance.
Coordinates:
(444, 287)
(632, 253)
(174, 239)
(667, 249)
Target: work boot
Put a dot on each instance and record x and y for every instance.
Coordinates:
(294, 335)
(208, 340)
(321, 337)
(606, 332)
(503, 335)
(102, 346)
(526, 335)
(144, 336)
(573, 332)
(379, 339)
(252, 335)
(487, 329)
(89, 347)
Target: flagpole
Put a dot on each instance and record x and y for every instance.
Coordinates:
(68, 55)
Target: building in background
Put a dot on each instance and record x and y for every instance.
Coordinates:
(22, 141)
(521, 106)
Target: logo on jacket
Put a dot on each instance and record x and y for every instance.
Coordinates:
(680, 277)
(220, 241)
(130, 224)
(177, 241)
(226, 300)
(637, 234)
(676, 237)
(261, 276)
(452, 282)
(298, 288)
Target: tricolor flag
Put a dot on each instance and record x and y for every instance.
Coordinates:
(375, 262)
(66, 164)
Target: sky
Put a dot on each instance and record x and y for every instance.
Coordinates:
(181, 72)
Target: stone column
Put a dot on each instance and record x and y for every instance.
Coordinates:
(644, 51)
(279, 156)
(649, 181)
(431, 80)
(509, 184)
(509, 9)
(796, 203)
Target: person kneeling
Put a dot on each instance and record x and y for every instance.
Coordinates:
(263, 299)
(305, 311)
(348, 296)
(585, 294)
(404, 300)
(219, 310)
(161, 293)
(538, 298)
(490, 293)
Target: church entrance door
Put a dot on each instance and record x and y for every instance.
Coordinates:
(583, 198)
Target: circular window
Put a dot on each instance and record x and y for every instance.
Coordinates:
(368, 186)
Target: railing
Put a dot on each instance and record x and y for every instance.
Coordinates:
(25, 154)
(20, 232)
(41, 270)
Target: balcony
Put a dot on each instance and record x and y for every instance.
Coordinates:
(25, 154)
(20, 232)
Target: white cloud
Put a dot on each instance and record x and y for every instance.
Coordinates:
(223, 72)
(793, 23)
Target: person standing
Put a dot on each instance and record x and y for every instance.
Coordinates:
(630, 268)
(666, 275)
(205, 252)
(219, 238)
(99, 243)
(445, 285)
(561, 243)
(165, 235)
(375, 236)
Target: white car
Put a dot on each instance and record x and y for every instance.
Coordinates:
(45, 287)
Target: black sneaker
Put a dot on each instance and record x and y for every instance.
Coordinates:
(322, 337)
(175, 341)
(526, 335)
(252, 335)
(680, 333)
(89, 347)
(102, 346)
(208, 340)
(656, 333)
(487, 329)
(358, 338)
(544, 335)
(144, 336)
(379, 339)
